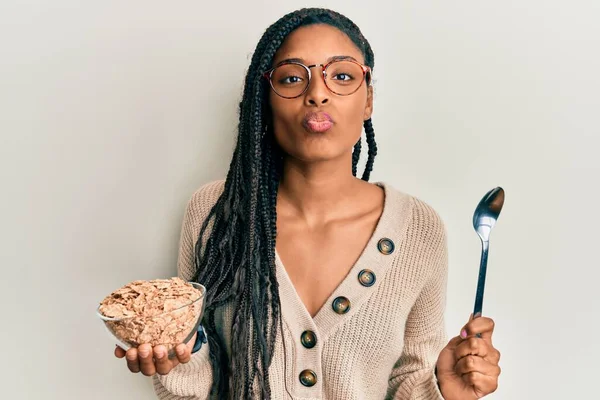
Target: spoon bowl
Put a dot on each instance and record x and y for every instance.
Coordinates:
(487, 212)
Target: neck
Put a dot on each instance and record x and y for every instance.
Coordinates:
(314, 191)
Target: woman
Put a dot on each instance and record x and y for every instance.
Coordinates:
(320, 285)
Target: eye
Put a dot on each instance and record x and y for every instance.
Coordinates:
(342, 76)
(290, 80)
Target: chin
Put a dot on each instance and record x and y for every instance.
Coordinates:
(315, 153)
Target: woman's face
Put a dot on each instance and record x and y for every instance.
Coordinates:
(301, 125)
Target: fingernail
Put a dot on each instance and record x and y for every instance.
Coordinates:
(463, 333)
(477, 315)
(130, 356)
(160, 354)
(143, 353)
(180, 351)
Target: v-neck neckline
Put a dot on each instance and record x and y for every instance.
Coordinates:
(391, 225)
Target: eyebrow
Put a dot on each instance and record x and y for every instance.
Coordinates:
(330, 59)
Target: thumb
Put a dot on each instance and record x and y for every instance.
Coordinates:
(447, 359)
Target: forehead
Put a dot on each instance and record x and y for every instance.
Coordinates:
(315, 44)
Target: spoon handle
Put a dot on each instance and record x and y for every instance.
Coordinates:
(481, 280)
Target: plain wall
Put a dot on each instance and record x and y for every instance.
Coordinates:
(113, 112)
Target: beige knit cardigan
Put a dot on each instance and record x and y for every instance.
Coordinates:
(384, 346)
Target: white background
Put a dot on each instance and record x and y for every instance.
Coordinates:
(113, 112)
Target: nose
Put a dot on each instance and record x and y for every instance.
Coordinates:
(317, 93)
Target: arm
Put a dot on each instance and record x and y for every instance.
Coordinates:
(193, 380)
(413, 376)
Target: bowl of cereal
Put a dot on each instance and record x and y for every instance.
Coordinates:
(159, 311)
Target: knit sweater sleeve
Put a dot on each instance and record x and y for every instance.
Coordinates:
(413, 376)
(193, 380)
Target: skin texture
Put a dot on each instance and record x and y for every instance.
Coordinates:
(150, 361)
(317, 44)
(325, 215)
(467, 367)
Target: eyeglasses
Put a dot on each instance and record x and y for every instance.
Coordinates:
(342, 77)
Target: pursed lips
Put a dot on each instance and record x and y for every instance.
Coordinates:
(317, 122)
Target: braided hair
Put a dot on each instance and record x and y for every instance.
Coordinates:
(235, 258)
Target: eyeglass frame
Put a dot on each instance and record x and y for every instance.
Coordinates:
(365, 69)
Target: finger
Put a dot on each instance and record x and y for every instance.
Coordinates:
(132, 360)
(146, 359)
(453, 343)
(482, 384)
(119, 352)
(473, 346)
(183, 353)
(470, 364)
(493, 356)
(163, 364)
(483, 326)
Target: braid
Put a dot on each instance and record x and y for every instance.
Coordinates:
(235, 250)
(356, 156)
(372, 149)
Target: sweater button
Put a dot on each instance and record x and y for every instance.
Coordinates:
(308, 378)
(366, 277)
(341, 305)
(385, 246)
(308, 339)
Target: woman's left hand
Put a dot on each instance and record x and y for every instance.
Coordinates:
(467, 367)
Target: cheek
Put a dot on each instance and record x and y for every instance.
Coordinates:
(352, 113)
(359, 104)
(283, 121)
(282, 110)
(284, 115)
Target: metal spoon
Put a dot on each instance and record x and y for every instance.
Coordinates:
(484, 219)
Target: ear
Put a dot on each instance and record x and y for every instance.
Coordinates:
(369, 105)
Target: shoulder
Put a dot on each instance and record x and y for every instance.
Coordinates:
(202, 201)
(424, 222)
(426, 216)
(207, 195)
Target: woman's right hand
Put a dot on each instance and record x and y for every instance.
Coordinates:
(150, 361)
